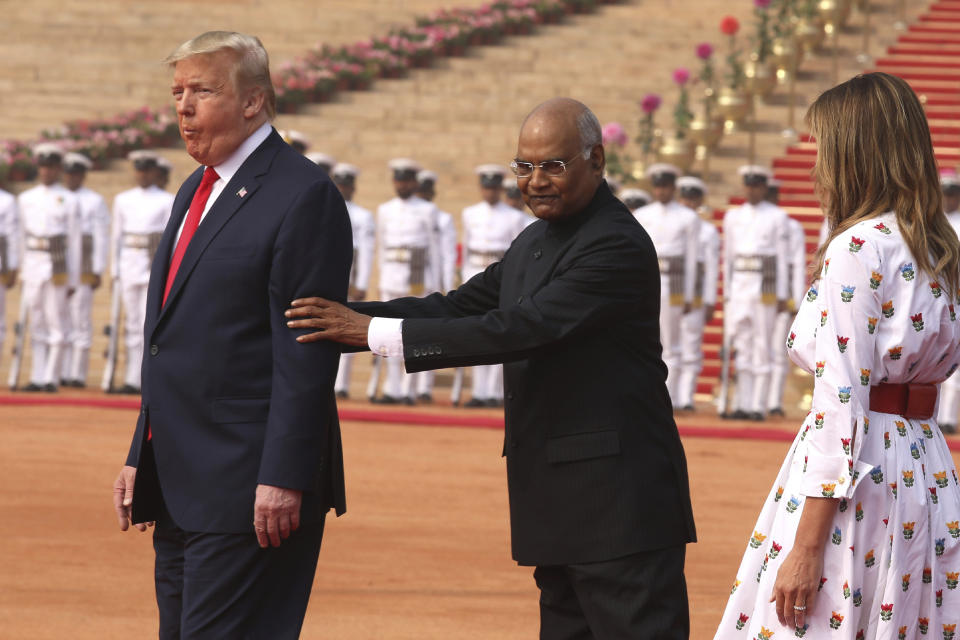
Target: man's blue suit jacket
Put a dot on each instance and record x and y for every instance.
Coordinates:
(231, 399)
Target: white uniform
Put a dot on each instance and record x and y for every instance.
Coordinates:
(950, 389)
(797, 280)
(139, 217)
(94, 222)
(447, 265)
(754, 279)
(51, 263)
(409, 257)
(674, 230)
(488, 232)
(9, 252)
(704, 298)
(364, 245)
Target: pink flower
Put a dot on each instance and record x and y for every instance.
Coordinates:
(613, 133)
(704, 50)
(650, 103)
(681, 75)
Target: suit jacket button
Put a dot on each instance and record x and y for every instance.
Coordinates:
(520, 300)
(514, 444)
(154, 349)
(510, 396)
(416, 353)
(537, 254)
(439, 350)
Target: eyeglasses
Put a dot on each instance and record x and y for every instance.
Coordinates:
(553, 168)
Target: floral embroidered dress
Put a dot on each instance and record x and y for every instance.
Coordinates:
(892, 566)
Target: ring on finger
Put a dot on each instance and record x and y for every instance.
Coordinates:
(800, 608)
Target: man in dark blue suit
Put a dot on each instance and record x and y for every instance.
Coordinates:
(237, 455)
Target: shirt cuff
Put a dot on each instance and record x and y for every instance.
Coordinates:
(385, 338)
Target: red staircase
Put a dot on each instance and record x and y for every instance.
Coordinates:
(927, 56)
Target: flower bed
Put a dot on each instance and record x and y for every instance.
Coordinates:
(313, 78)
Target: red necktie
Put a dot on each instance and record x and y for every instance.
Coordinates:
(190, 225)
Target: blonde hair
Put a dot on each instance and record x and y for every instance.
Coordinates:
(874, 155)
(252, 68)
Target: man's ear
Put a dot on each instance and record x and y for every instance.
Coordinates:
(254, 103)
(597, 159)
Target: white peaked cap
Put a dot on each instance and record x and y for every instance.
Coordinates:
(77, 159)
(317, 157)
(949, 179)
(661, 168)
(634, 194)
(755, 170)
(403, 164)
(691, 182)
(426, 176)
(47, 149)
(344, 169)
(491, 170)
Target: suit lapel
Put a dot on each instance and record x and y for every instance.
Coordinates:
(161, 260)
(236, 193)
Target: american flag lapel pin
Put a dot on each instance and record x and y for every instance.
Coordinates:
(242, 192)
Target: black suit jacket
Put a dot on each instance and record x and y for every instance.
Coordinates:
(595, 467)
(232, 399)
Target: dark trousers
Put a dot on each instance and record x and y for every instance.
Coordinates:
(639, 597)
(222, 585)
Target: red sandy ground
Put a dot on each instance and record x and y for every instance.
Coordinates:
(422, 553)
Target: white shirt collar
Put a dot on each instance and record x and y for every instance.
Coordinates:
(228, 167)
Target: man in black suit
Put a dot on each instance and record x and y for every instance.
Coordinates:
(237, 454)
(599, 498)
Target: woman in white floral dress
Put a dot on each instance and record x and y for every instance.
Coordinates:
(860, 535)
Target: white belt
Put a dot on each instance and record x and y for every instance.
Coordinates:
(38, 243)
(748, 263)
(136, 240)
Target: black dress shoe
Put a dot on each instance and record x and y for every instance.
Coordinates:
(50, 387)
(425, 398)
(65, 382)
(386, 400)
(496, 403)
(473, 403)
(343, 394)
(756, 416)
(129, 389)
(33, 387)
(778, 413)
(740, 414)
(409, 401)
(687, 407)
(948, 428)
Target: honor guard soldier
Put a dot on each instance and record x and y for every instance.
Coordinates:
(94, 226)
(9, 254)
(489, 227)
(755, 286)
(162, 173)
(299, 141)
(408, 256)
(634, 198)
(364, 245)
(674, 229)
(139, 218)
(797, 281)
(50, 266)
(325, 161)
(512, 195)
(950, 389)
(447, 263)
(693, 192)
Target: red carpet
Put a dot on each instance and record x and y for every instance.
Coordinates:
(700, 425)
